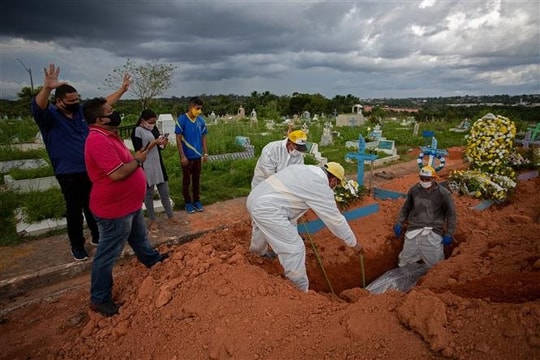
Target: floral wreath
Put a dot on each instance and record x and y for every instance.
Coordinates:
(441, 158)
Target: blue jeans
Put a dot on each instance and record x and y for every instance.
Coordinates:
(113, 235)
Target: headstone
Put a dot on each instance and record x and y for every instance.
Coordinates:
(415, 129)
(253, 115)
(306, 116)
(270, 124)
(305, 128)
(376, 134)
(326, 137)
(241, 112)
(166, 124)
(242, 141)
(361, 157)
(387, 146)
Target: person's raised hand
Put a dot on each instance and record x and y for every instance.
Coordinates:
(50, 80)
(126, 82)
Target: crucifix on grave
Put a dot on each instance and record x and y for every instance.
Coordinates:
(360, 157)
(433, 154)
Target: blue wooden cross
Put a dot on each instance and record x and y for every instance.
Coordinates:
(433, 152)
(360, 157)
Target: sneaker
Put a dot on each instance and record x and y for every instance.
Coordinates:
(269, 254)
(79, 254)
(94, 242)
(189, 208)
(198, 206)
(108, 308)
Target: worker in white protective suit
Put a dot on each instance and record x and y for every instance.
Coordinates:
(430, 215)
(276, 204)
(277, 155)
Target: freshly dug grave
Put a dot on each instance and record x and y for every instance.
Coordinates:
(214, 300)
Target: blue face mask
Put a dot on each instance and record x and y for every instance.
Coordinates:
(114, 118)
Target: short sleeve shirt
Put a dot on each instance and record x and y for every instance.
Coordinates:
(192, 133)
(105, 153)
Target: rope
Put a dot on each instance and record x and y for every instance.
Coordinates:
(318, 258)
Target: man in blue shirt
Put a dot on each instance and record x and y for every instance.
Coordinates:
(64, 132)
(191, 133)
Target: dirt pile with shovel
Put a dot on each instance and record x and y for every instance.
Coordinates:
(213, 300)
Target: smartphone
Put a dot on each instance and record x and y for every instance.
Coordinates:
(166, 135)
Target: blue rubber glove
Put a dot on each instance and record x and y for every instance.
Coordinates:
(397, 230)
(447, 239)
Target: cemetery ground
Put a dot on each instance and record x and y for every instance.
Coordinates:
(213, 300)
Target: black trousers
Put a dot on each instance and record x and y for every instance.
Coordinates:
(76, 190)
(191, 174)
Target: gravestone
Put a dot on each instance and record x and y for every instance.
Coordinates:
(270, 124)
(376, 134)
(361, 157)
(213, 117)
(241, 112)
(415, 129)
(165, 124)
(387, 147)
(326, 137)
(305, 128)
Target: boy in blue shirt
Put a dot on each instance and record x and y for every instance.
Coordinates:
(191, 133)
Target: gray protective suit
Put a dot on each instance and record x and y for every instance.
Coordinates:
(275, 206)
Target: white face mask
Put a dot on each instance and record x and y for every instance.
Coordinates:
(295, 153)
(147, 125)
(425, 184)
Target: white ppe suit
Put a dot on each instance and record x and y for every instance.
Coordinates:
(275, 206)
(274, 157)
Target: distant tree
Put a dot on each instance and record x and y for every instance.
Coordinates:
(149, 80)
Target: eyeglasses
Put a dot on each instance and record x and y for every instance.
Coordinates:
(425, 178)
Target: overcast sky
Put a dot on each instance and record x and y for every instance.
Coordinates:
(370, 49)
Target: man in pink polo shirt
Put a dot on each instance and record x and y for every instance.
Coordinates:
(118, 190)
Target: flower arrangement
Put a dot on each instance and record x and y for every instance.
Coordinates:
(348, 193)
(490, 152)
(490, 143)
(481, 185)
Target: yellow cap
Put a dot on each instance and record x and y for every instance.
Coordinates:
(428, 171)
(336, 169)
(299, 138)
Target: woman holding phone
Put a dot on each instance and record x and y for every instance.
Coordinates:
(146, 137)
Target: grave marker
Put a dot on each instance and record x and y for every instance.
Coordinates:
(360, 157)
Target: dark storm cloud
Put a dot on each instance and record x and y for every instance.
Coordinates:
(317, 44)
